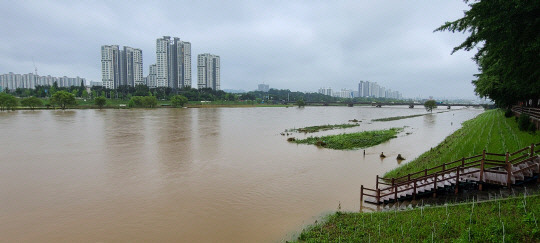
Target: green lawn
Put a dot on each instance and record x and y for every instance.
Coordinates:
(509, 220)
(490, 131)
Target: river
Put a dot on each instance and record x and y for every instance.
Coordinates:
(190, 175)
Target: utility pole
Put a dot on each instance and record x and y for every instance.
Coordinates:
(35, 68)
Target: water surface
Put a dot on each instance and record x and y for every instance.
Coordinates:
(193, 175)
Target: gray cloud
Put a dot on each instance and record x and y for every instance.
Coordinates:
(300, 45)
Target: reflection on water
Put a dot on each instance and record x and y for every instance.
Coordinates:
(203, 175)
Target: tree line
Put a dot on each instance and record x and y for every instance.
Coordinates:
(505, 34)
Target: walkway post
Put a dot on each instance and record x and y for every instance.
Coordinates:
(435, 186)
(377, 182)
(508, 170)
(532, 150)
(378, 196)
(463, 161)
(361, 196)
(395, 194)
(457, 180)
(482, 169)
(414, 191)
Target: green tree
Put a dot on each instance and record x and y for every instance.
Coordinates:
(63, 99)
(31, 102)
(430, 105)
(178, 100)
(300, 103)
(7, 101)
(143, 101)
(506, 34)
(85, 94)
(149, 101)
(100, 101)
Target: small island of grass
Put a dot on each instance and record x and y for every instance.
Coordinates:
(356, 140)
(312, 129)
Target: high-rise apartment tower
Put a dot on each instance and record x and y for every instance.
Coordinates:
(121, 67)
(173, 64)
(208, 73)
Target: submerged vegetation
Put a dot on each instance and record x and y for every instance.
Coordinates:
(322, 128)
(393, 118)
(504, 220)
(352, 140)
(490, 130)
(397, 117)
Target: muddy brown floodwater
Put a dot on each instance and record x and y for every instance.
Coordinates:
(191, 175)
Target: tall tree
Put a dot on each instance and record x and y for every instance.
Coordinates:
(63, 99)
(31, 102)
(7, 101)
(507, 34)
(430, 105)
(100, 101)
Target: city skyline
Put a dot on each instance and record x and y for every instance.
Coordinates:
(299, 46)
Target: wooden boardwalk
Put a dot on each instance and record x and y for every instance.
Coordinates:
(487, 168)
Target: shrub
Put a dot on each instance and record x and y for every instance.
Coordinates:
(508, 113)
(100, 101)
(532, 127)
(179, 100)
(523, 122)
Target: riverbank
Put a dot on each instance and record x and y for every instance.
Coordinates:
(504, 220)
(123, 104)
(489, 130)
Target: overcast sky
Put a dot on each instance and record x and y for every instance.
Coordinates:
(297, 45)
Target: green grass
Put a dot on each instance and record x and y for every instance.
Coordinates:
(490, 131)
(352, 140)
(393, 118)
(312, 129)
(514, 220)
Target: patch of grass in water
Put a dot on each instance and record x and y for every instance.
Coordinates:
(356, 140)
(405, 117)
(322, 128)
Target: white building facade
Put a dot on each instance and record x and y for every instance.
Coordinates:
(208, 71)
(173, 63)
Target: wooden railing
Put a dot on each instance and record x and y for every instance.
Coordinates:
(442, 174)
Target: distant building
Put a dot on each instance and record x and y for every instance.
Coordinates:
(326, 91)
(121, 67)
(372, 89)
(95, 83)
(208, 71)
(173, 66)
(263, 87)
(31, 80)
(344, 93)
(151, 79)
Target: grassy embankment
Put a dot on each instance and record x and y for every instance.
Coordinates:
(515, 219)
(312, 129)
(490, 131)
(352, 140)
(504, 220)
